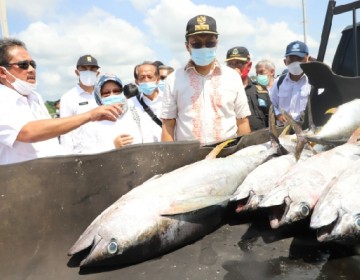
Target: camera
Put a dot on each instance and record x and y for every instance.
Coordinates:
(131, 90)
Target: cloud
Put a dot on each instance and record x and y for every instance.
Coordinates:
(34, 10)
(284, 3)
(121, 38)
(116, 44)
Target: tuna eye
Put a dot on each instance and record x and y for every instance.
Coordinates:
(357, 222)
(112, 248)
(304, 209)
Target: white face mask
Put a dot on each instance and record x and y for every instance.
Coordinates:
(294, 68)
(88, 78)
(22, 87)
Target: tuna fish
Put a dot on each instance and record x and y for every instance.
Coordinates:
(296, 193)
(340, 126)
(167, 211)
(336, 216)
(260, 182)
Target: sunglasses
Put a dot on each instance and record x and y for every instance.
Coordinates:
(24, 64)
(199, 45)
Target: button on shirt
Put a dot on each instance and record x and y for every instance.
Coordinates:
(205, 107)
(151, 131)
(291, 96)
(16, 111)
(75, 102)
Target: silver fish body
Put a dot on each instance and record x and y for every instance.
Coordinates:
(260, 181)
(340, 126)
(336, 216)
(166, 211)
(297, 192)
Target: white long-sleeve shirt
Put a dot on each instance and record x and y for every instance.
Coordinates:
(292, 96)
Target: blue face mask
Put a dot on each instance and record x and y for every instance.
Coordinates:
(161, 85)
(262, 80)
(203, 56)
(148, 88)
(116, 99)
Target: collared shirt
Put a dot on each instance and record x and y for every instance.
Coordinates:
(151, 131)
(74, 102)
(205, 107)
(15, 112)
(291, 96)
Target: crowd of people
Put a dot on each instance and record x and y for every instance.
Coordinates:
(204, 100)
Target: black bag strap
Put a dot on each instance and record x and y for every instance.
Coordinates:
(279, 82)
(149, 111)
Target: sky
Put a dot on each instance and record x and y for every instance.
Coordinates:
(123, 33)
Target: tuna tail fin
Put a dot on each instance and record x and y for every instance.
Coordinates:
(273, 133)
(276, 143)
(218, 149)
(185, 206)
(301, 141)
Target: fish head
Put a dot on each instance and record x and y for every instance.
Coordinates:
(346, 226)
(288, 212)
(103, 250)
(297, 211)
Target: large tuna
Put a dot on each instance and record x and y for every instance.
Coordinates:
(337, 213)
(296, 193)
(340, 126)
(168, 210)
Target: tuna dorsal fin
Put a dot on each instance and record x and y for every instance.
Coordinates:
(185, 206)
(218, 149)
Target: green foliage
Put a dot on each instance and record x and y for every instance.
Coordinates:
(51, 108)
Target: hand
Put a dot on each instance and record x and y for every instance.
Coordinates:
(281, 118)
(106, 112)
(123, 140)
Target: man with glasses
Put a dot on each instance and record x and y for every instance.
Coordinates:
(238, 58)
(290, 92)
(204, 100)
(78, 100)
(26, 129)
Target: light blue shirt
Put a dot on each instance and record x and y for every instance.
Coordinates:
(292, 96)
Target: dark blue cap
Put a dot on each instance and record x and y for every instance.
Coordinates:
(297, 48)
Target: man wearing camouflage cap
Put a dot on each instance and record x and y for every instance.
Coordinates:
(203, 100)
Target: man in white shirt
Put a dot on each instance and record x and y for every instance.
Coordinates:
(78, 100)
(26, 129)
(204, 100)
(149, 101)
(290, 92)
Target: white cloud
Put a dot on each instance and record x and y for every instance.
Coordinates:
(116, 44)
(119, 45)
(34, 9)
(285, 3)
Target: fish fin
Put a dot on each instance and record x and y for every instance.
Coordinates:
(276, 143)
(193, 204)
(355, 136)
(301, 141)
(331, 111)
(218, 149)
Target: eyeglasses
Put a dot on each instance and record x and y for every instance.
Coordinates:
(24, 64)
(199, 45)
(115, 91)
